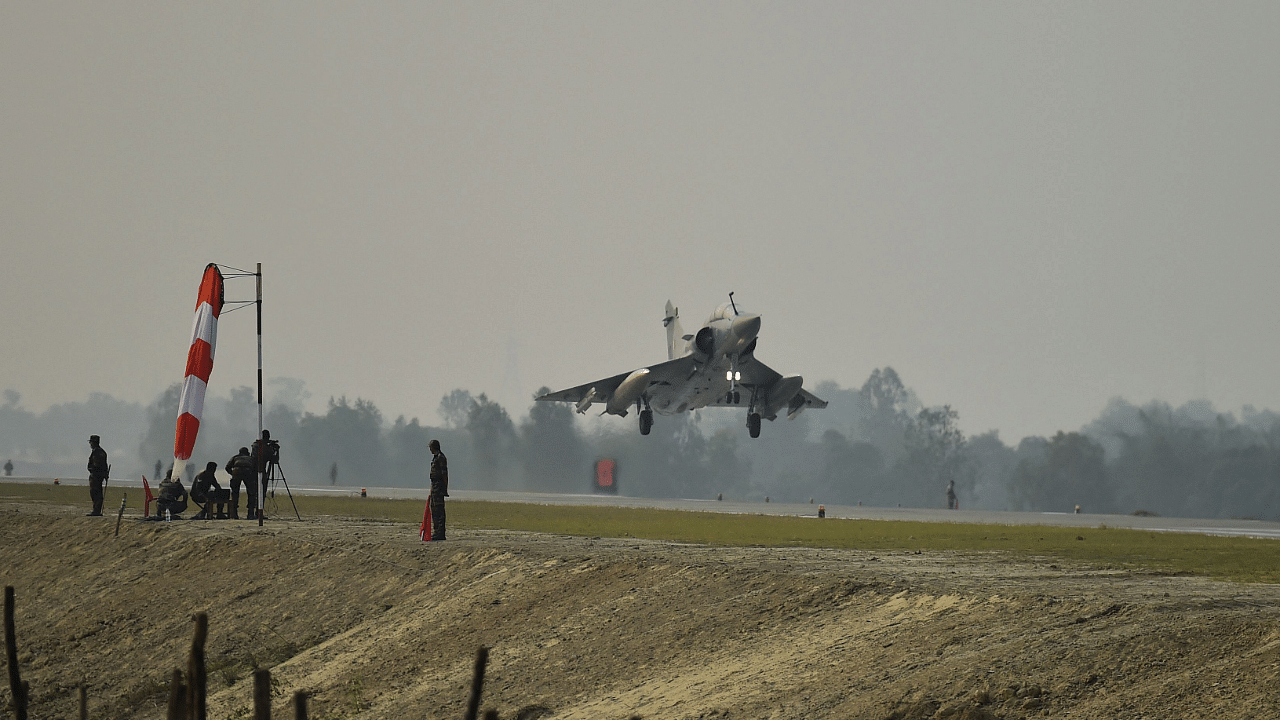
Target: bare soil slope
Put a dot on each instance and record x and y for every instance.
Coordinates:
(376, 624)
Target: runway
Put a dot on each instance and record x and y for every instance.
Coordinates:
(1223, 527)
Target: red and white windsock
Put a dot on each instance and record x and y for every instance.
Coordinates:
(204, 335)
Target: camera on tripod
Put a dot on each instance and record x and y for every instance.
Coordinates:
(273, 452)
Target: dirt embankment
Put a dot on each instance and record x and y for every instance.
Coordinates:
(375, 624)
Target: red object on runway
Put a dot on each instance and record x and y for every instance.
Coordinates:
(425, 531)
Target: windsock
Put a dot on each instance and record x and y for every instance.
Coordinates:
(204, 335)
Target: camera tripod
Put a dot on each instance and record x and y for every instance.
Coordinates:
(273, 475)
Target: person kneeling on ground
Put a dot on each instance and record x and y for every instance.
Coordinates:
(206, 491)
(173, 497)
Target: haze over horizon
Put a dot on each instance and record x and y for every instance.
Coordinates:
(1026, 209)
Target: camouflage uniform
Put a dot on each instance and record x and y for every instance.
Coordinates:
(439, 491)
(98, 472)
(173, 497)
(243, 471)
(206, 491)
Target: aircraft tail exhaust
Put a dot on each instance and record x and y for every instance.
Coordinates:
(675, 334)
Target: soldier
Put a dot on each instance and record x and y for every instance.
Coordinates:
(8, 468)
(99, 471)
(243, 471)
(264, 460)
(173, 497)
(206, 491)
(439, 489)
(951, 494)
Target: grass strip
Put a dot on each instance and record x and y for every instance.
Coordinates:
(1235, 559)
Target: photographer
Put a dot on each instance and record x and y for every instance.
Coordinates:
(266, 460)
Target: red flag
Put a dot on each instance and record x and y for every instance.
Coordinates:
(424, 532)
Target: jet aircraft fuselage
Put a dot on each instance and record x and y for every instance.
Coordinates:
(714, 367)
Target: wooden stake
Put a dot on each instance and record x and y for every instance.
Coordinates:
(177, 697)
(19, 688)
(123, 499)
(261, 695)
(477, 683)
(196, 680)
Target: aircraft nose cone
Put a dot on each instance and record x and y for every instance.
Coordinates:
(746, 327)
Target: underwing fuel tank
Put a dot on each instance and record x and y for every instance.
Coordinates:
(781, 393)
(586, 401)
(628, 392)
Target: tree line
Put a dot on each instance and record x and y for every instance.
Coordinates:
(877, 445)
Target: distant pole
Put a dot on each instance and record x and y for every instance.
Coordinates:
(258, 465)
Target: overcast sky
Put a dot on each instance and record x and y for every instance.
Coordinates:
(1025, 208)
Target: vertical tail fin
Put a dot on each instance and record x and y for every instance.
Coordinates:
(675, 334)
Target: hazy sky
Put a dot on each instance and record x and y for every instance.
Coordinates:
(1025, 208)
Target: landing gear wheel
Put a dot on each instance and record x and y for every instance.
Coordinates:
(646, 421)
(753, 424)
(737, 397)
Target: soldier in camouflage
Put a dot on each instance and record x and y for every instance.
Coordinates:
(99, 471)
(439, 489)
(243, 471)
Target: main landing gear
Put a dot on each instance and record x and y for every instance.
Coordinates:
(646, 418)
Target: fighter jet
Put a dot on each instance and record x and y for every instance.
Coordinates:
(714, 367)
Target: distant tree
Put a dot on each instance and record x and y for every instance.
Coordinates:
(935, 456)
(728, 471)
(409, 456)
(350, 433)
(162, 417)
(553, 453)
(887, 408)
(1067, 470)
(241, 412)
(455, 409)
(852, 471)
(993, 464)
(493, 438)
(11, 398)
(1166, 462)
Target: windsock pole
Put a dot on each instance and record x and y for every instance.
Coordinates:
(261, 450)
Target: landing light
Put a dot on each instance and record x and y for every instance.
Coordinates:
(728, 375)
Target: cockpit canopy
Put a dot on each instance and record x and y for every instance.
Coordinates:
(725, 312)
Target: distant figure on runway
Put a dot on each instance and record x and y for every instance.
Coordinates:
(439, 489)
(8, 468)
(99, 471)
(951, 494)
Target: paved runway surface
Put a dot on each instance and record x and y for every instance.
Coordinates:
(1247, 528)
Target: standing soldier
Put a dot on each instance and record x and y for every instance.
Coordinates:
(99, 471)
(262, 459)
(243, 472)
(951, 494)
(439, 489)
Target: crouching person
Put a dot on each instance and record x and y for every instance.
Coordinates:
(172, 498)
(206, 491)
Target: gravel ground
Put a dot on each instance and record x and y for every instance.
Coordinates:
(373, 623)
